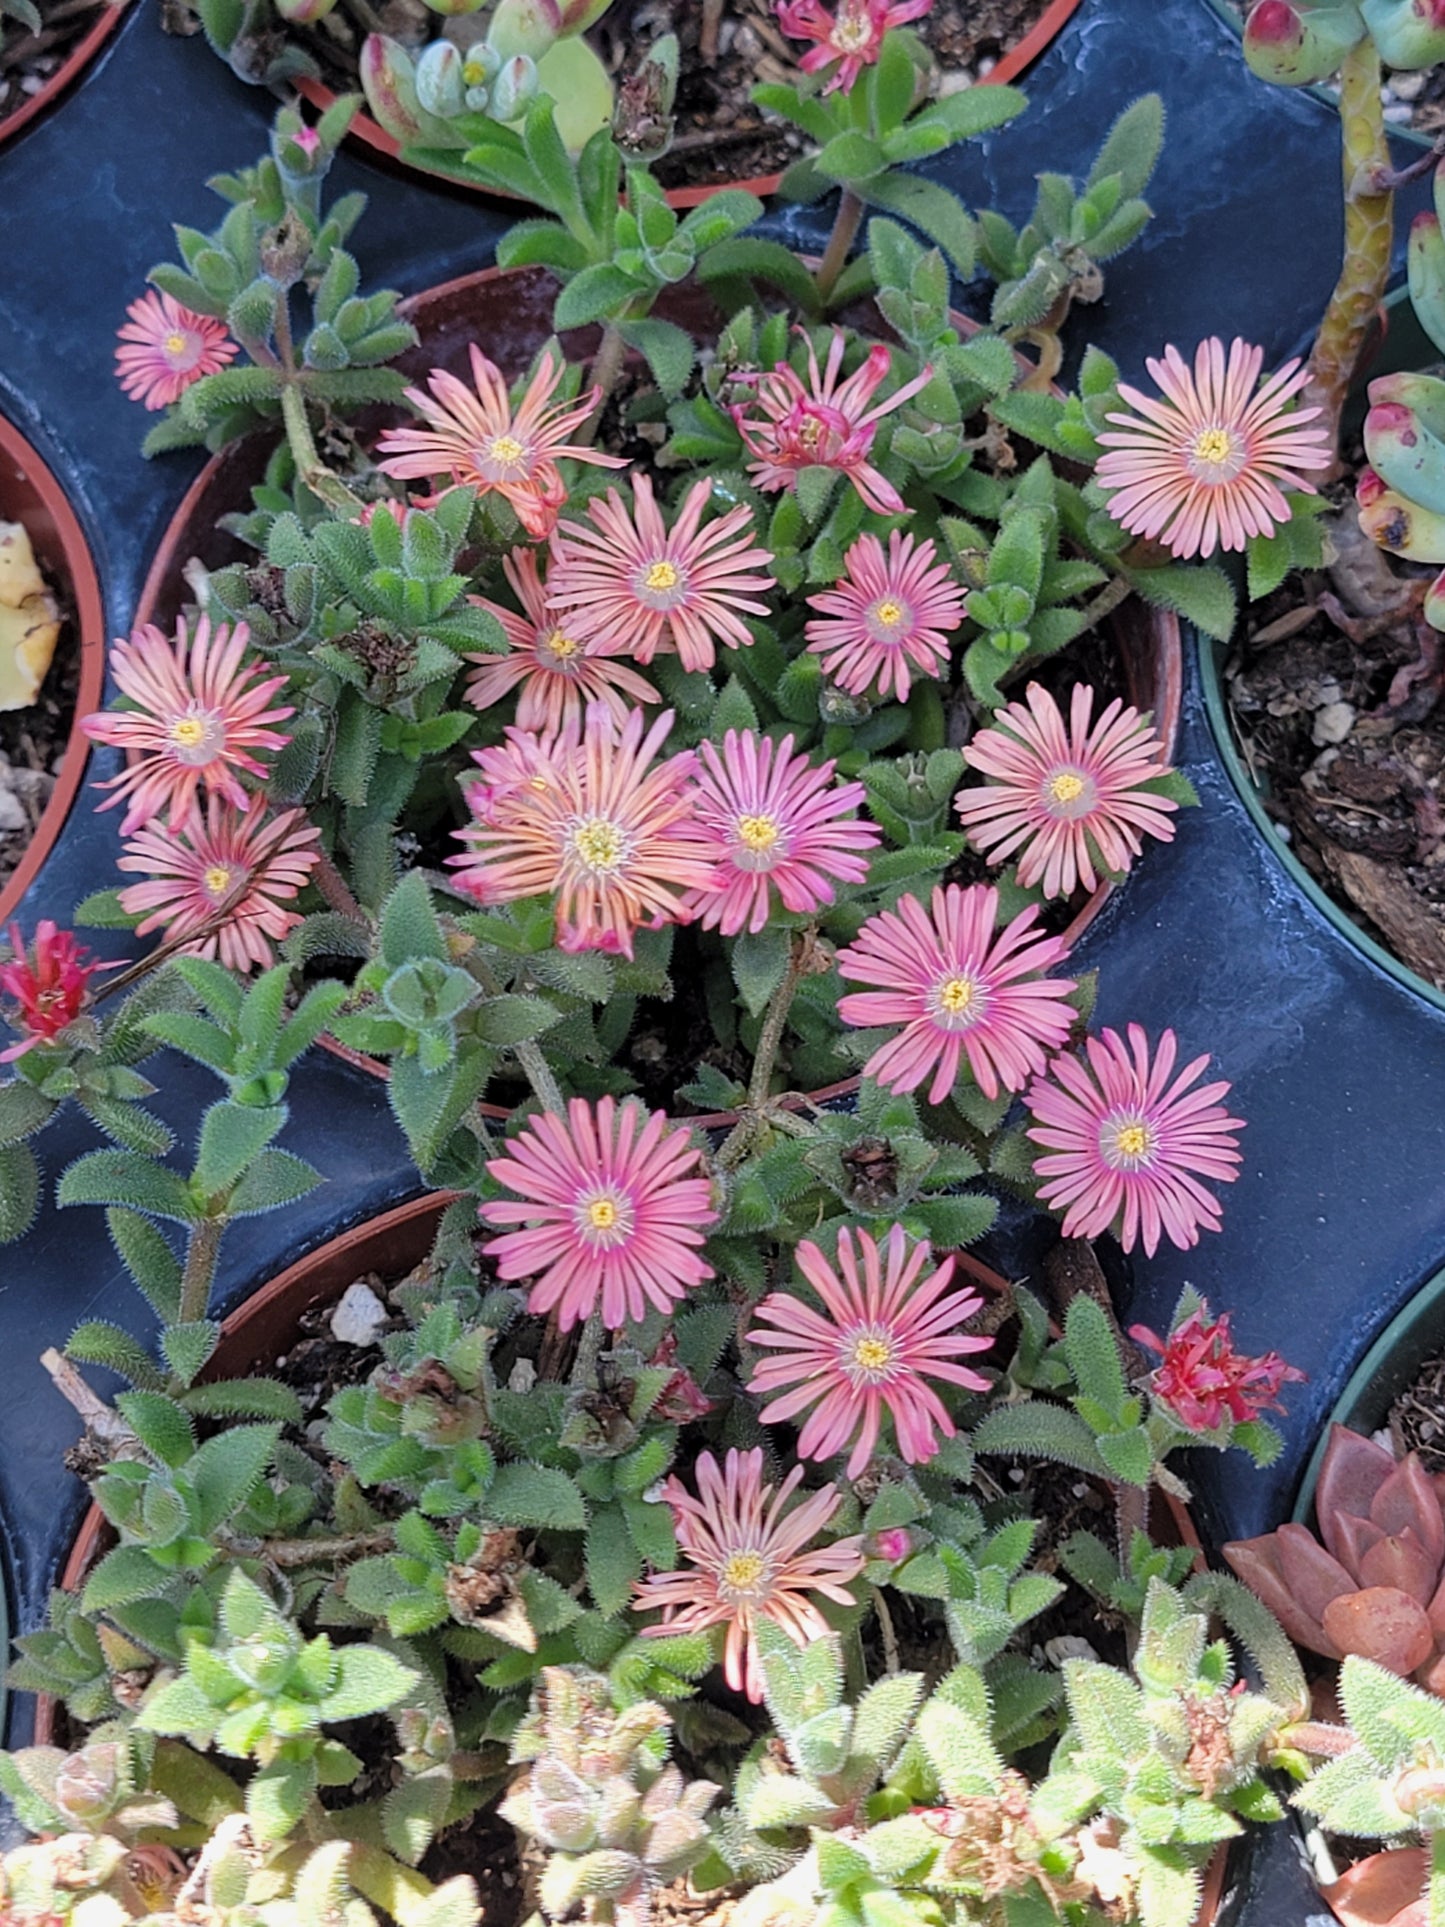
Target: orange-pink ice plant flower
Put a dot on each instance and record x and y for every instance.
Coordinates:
(197, 713)
(849, 38)
(1203, 467)
(749, 1558)
(478, 438)
(888, 619)
(886, 1328)
(165, 347)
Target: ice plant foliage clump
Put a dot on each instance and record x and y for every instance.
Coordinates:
(1202, 468)
(165, 347)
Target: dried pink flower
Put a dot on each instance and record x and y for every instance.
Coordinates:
(165, 347)
(824, 423)
(1071, 800)
(222, 880)
(749, 1560)
(630, 584)
(852, 36)
(198, 711)
(614, 1209)
(1126, 1148)
(476, 436)
(960, 988)
(770, 820)
(49, 985)
(885, 1331)
(1201, 469)
(558, 672)
(889, 615)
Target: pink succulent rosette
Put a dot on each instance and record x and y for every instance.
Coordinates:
(1202, 468)
(850, 37)
(1068, 800)
(165, 347)
(1204, 1383)
(614, 1211)
(589, 820)
(198, 713)
(750, 1558)
(823, 422)
(885, 1330)
(221, 883)
(555, 672)
(631, 585)
(773, 822)
(888, 619)
(1124, 1148)
(475, 436)
(49, 984)
(962, 989)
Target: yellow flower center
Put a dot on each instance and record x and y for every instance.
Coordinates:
(889, 613)
(872, 1354)
(853, 31)
(175, 344)
(188, 731)
(474, 74)
(1127, 1143)
(1066, 787)
(506, 448)
(217, 880)
(1131, 1140)
(602, 1214)
(661, 575)
(741, 1571)
(559, 645)
(758, 832)
(1214, 445)
(599, 843)
(955, 995)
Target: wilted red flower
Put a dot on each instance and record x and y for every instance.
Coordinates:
(824, 423)
(852, 36)
(48, 985)
(1205, 1382)
(198, 711)
(888, 616)
(474, 435)
(749, 1559)
(165, 347)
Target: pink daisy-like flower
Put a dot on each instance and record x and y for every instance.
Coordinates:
(960, 988)
(887, 1329)
(1125, 1147)
(199, 710)
(771, 819)
(613, 1209)
(1069, 800)
(1201, 469)
(824, 423)
(889, 613)
(591, 824)
(222, 880)
(1204, 1382)
(49, 985)
(853, 36)
(750, 1559)
(165, 347)
(631, 583)
(557, 671)
(475, 436)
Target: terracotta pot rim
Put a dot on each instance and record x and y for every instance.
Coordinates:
(69, 70)
(88, 623)
(369, 133)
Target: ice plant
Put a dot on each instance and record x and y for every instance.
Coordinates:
(1204, 1382)
(1125, 1148)
(476, 436)
(48, 984)
(886, 1329)
(555, 672)
(630, 584)
(1201, 469)
(750, 1560)
(851, 36)
(772, 821)
(1068, 799)
(823, 423)
(221, 882)
(612, 839)
(961, 988)
(613, 1207)
(891, 614)
(198, 713)
(1376, 1586)
(165, 347)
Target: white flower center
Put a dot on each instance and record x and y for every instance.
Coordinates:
(599, 844)
(957, 1001)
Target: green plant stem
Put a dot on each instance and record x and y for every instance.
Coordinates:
(315, 475)
(1116, 590)
(589, 1350)
(1315, 1737)
(200, 1270)
(305, 1552)
(537, 1070)
(840, 241)
(606, 367)
(772, 1032)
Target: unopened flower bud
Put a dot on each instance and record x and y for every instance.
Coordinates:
(1295, 43)
(894, 1544)
(388, 80)
(440, 86)
(514, 89)
(480, 67)
(1408, 33)
(85, 1783)
(285, 250)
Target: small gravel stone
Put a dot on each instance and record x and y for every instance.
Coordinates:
(1333, 723)
(12, 812)
(359, 1316)
(1067, 1646)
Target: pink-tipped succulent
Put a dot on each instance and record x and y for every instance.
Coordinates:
(48, 983)
(848, 39)
(1376, 1586)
